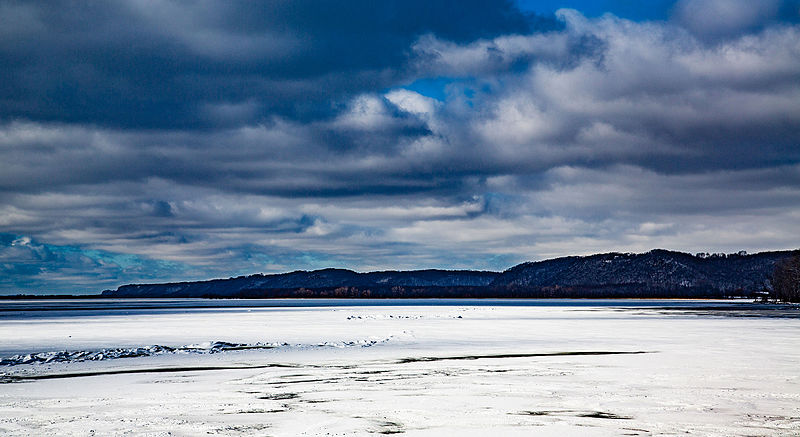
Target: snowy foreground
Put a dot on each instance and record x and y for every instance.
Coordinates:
(460, 368)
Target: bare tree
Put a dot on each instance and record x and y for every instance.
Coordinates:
(786, 279)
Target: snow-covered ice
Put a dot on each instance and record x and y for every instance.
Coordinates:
(347, 368)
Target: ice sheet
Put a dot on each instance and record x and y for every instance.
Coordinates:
(441, 370)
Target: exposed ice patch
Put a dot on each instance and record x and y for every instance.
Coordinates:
(143, 351)
(64, 356)
(207, 347)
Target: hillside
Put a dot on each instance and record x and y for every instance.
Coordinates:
(326, 278)
(656, 273)
(655, 269)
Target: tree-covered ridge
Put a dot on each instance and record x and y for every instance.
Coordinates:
(786, 279)
(658, 273)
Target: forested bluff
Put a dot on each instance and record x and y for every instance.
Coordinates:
(654, 274)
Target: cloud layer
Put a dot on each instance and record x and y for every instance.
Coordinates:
(169, 142)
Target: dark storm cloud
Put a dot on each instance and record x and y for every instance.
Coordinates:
(197, 140)
(169, 64)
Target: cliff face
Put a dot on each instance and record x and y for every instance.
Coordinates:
(657, 271)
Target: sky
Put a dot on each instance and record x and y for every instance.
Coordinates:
(154, 141)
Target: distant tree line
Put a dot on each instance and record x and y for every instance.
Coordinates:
(615, 291)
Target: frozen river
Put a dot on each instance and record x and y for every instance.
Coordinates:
(418, 367)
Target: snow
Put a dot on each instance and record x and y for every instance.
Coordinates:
(625, 368)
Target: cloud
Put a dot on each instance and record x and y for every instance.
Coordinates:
(180, 148)
(170, 64)
(29, 266)
(646, 94)
(714, 19)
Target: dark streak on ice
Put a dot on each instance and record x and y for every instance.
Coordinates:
(22, 378)
(280, 396)
(549, 354)
(592, 414)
